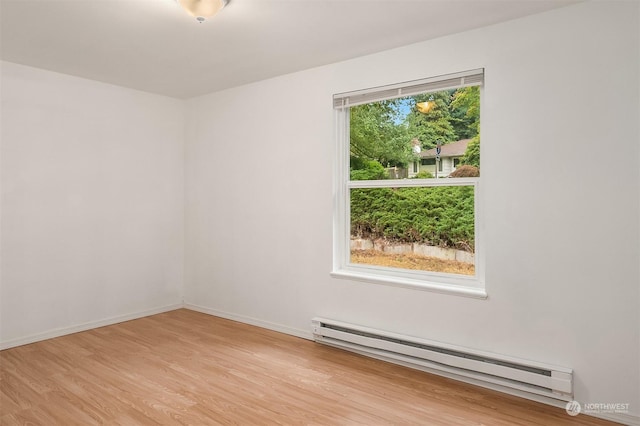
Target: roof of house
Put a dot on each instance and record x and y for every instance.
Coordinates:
(453, 149)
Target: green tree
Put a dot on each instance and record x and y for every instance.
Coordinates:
(436, 124)
(382, 131)
(466, 102)
(465, 112)
(472, 154)
(376, 134)
(468, 99)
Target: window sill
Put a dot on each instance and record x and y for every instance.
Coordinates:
(436, 287)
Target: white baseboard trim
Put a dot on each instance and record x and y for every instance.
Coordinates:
(304, 334)
(63, 331)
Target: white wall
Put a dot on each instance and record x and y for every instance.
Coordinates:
(92, 203)
(562, 240)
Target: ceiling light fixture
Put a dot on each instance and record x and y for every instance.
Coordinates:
(202, 9)
(425, 107)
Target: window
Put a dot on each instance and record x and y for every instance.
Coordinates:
(420, 232)
(456, 163)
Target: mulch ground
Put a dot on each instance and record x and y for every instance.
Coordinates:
(411, 261)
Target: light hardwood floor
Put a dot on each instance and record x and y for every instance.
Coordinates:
(184, 367)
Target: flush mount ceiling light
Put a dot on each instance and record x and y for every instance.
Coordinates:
(202, 9)
(425, 107)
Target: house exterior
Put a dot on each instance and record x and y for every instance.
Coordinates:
(450, 155)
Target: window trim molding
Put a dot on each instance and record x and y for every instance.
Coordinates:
(420, 280)
(432, 286)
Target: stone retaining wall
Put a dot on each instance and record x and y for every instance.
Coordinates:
(415, 248)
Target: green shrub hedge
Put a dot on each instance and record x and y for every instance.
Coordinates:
(439, 216)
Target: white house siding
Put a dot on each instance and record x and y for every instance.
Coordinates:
(447, 167)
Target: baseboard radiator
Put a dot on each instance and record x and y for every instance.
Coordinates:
(452, 361)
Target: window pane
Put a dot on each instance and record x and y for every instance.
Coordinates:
(399, 138)
(423, 228)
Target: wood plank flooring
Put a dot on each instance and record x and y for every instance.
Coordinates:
(188, 368)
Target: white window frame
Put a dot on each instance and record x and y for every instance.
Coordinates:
(470, 286)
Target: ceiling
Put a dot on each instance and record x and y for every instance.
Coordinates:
(154, 46)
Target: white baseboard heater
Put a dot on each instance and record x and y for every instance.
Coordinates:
(452, 361)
